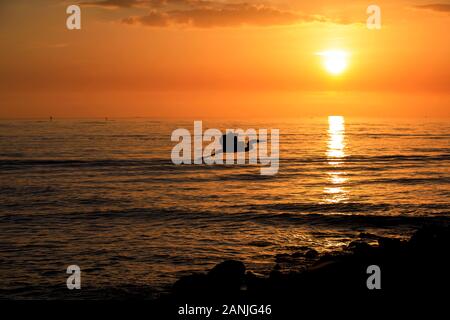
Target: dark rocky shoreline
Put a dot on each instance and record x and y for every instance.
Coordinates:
(411, 270)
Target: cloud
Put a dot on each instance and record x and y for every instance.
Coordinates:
(115, 3)
(208, 13)
(146, 3)
(441, 7)
(224, 16)
(153, 18)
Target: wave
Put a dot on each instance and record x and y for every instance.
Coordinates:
(362, 214)
(167, 161)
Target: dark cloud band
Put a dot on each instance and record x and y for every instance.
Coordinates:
(441, 7)
(208, 13)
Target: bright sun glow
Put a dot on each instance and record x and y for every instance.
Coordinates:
(335, 61)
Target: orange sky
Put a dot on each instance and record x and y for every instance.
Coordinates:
(192, 58)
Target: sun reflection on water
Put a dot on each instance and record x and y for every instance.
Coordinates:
(336, 136)
(336, 193)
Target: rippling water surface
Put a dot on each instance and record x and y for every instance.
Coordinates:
(104, 195)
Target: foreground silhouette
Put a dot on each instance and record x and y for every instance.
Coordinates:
(414, 270)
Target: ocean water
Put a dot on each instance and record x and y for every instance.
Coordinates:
(105, 195)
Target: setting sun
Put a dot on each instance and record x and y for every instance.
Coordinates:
(335, 61)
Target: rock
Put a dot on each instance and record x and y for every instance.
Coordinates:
(390, 245)
(430, 238)
(311, 254)
(191, 283)
(228, 268)
(275, 275)
(366, 235)
(228, 274)
(254, 281)
(359, 247)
